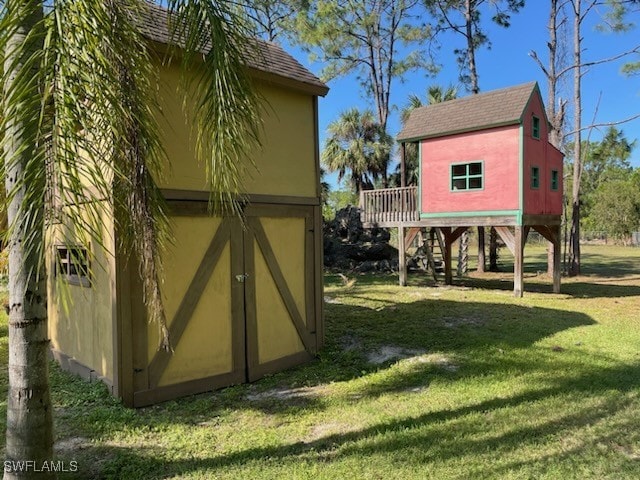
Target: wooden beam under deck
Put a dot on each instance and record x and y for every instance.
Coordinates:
(446, 222)
(513, 235)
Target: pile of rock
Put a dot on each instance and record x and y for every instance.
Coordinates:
(349, 247)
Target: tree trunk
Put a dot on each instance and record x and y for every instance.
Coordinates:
(471, 48)
(463, 252)
(556, 118)
(29, 418)
(574, 242)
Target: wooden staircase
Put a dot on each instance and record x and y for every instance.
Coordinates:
(430, 248)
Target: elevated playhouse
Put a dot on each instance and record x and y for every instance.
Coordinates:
(242, 301)
(484, 160)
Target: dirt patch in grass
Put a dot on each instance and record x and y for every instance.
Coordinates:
(323, 430)
(391, 352)
(336, 301)
(442, 361)
(70, 444)
(302, 393)
(456, 322)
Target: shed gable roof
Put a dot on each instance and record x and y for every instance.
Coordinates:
(475, 112)
(271, 60)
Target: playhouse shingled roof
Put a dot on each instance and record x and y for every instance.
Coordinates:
(270, 61)
(475, 112)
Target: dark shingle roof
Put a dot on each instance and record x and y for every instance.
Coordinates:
(271, 60)
(475, 112)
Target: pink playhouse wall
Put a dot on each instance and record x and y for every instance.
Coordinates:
(499, 150)
(541, 154)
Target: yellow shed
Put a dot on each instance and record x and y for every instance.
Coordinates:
(242, 301)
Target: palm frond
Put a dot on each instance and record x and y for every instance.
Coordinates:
(106, 147)
(224, 103)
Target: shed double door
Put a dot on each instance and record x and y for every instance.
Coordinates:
(241, 301)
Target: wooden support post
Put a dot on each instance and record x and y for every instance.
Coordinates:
(518, 262)
(402, 261)
(403, 166)
(556, 258)
(552, 234)
(481, 256)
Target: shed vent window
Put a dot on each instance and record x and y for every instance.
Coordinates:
(535, 128)
(467, 176)
(555, 180)
(73, 265)
(535, 177)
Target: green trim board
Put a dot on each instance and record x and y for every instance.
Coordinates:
(521, 171)
(420, 177)
(535, 90)
(483, 213)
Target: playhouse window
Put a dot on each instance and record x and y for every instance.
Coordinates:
(535, 128)
(466, 176)
(73, 265)
(555, 180)
(535, 177)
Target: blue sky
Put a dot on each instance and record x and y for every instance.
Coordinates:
(508, 63)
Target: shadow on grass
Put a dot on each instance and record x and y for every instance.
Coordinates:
(358, 337)
(428, 437)
(602, 289)
(604, 265)
(446, 328)
(479, 335)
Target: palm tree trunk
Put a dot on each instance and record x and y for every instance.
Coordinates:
(481, 250)
(463, 254)
(493, 250)
(29, 419)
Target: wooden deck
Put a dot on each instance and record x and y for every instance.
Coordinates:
(392, 207)
(399, 208)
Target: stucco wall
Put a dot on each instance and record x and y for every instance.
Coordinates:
(538, 152)
(81, 317)
(285, 163)
(497, 148)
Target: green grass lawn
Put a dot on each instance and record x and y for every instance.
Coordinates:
(461, 382)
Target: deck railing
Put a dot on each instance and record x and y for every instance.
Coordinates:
(389, 205)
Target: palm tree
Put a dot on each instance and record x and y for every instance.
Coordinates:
(435, 94)
(359, 145)
(78, 107)
(438, 94)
